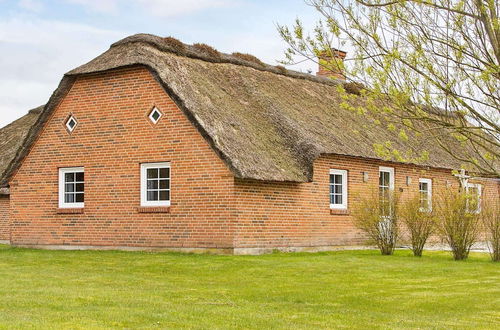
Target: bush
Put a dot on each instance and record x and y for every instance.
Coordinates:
(490, 216)
(377, 216)
(458, 227)
(419, 224)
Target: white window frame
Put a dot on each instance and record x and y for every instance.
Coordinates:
(62, 184)
(144, 185)
(68, 127)
(389, 170)
(429, 193)
(153, 120)
(479, 188)
(345, 188)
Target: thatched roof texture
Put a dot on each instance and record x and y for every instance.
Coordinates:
(265, 122)
(12, 137)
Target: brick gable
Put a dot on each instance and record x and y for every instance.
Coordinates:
(113, 137)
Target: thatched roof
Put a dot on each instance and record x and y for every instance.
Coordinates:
(12, 137)
(265, 122)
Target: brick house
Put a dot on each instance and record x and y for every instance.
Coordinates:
(160, 145)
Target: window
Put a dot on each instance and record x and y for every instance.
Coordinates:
(386, 187)
(474, 197)
(155, 184)
(338, 189)
(71, 124)
(155, 115)
(425, 191)
(71, 187)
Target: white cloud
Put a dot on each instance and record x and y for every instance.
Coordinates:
(161, 8)
(169, 8)
(35, 56)
(31, 5)
(103, 6)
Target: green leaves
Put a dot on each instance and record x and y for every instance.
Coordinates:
(436, 61)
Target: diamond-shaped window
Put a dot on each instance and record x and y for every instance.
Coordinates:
(71, 124)
(155, 115)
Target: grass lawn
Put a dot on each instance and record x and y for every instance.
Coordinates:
(351, 289)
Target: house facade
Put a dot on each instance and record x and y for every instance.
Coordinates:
(160, 145)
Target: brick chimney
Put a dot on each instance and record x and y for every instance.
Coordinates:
(332, 66)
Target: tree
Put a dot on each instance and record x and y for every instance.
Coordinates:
(436, 60)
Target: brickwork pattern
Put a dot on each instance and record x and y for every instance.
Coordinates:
(210, 208)
(4, 218)
(113, 137)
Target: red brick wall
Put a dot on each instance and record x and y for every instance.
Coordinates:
(298, 215)
(112, 139)
(4, 218)
(210, 208)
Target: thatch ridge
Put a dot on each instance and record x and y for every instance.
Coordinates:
(200, 53)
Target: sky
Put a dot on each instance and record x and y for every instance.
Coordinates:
(42, 40)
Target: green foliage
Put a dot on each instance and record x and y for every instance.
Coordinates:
(490, 216)
(440, 76)
(378, 216)
(418, 223)
(458, 225)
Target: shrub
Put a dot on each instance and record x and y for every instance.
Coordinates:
(458, 227)
(377, 216)
(419, 224)
(490, 216)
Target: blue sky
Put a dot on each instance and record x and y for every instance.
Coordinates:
(41, 40)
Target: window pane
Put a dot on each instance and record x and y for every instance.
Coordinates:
(338, 179)
(338, 199)
(164, 195)
(69, 177)
(332, 178)
(384, 179)
(332, 199)
(165, 184)
(332, 189)
(69, 198)
(164, 173)
(152, 184)
(152, 195)
(80, 187)
(80, 177)
(152, 173)
(338, 189)
(69, 187)
(79, 198)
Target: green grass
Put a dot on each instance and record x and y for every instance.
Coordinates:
(350, 289)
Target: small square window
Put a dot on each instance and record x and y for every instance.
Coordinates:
(338, 189)
(155, 115)
(71, 124)
(155, 184)
(72, 187)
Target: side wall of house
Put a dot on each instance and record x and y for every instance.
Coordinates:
(274, 215)
(113, 137)
(4, 218)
